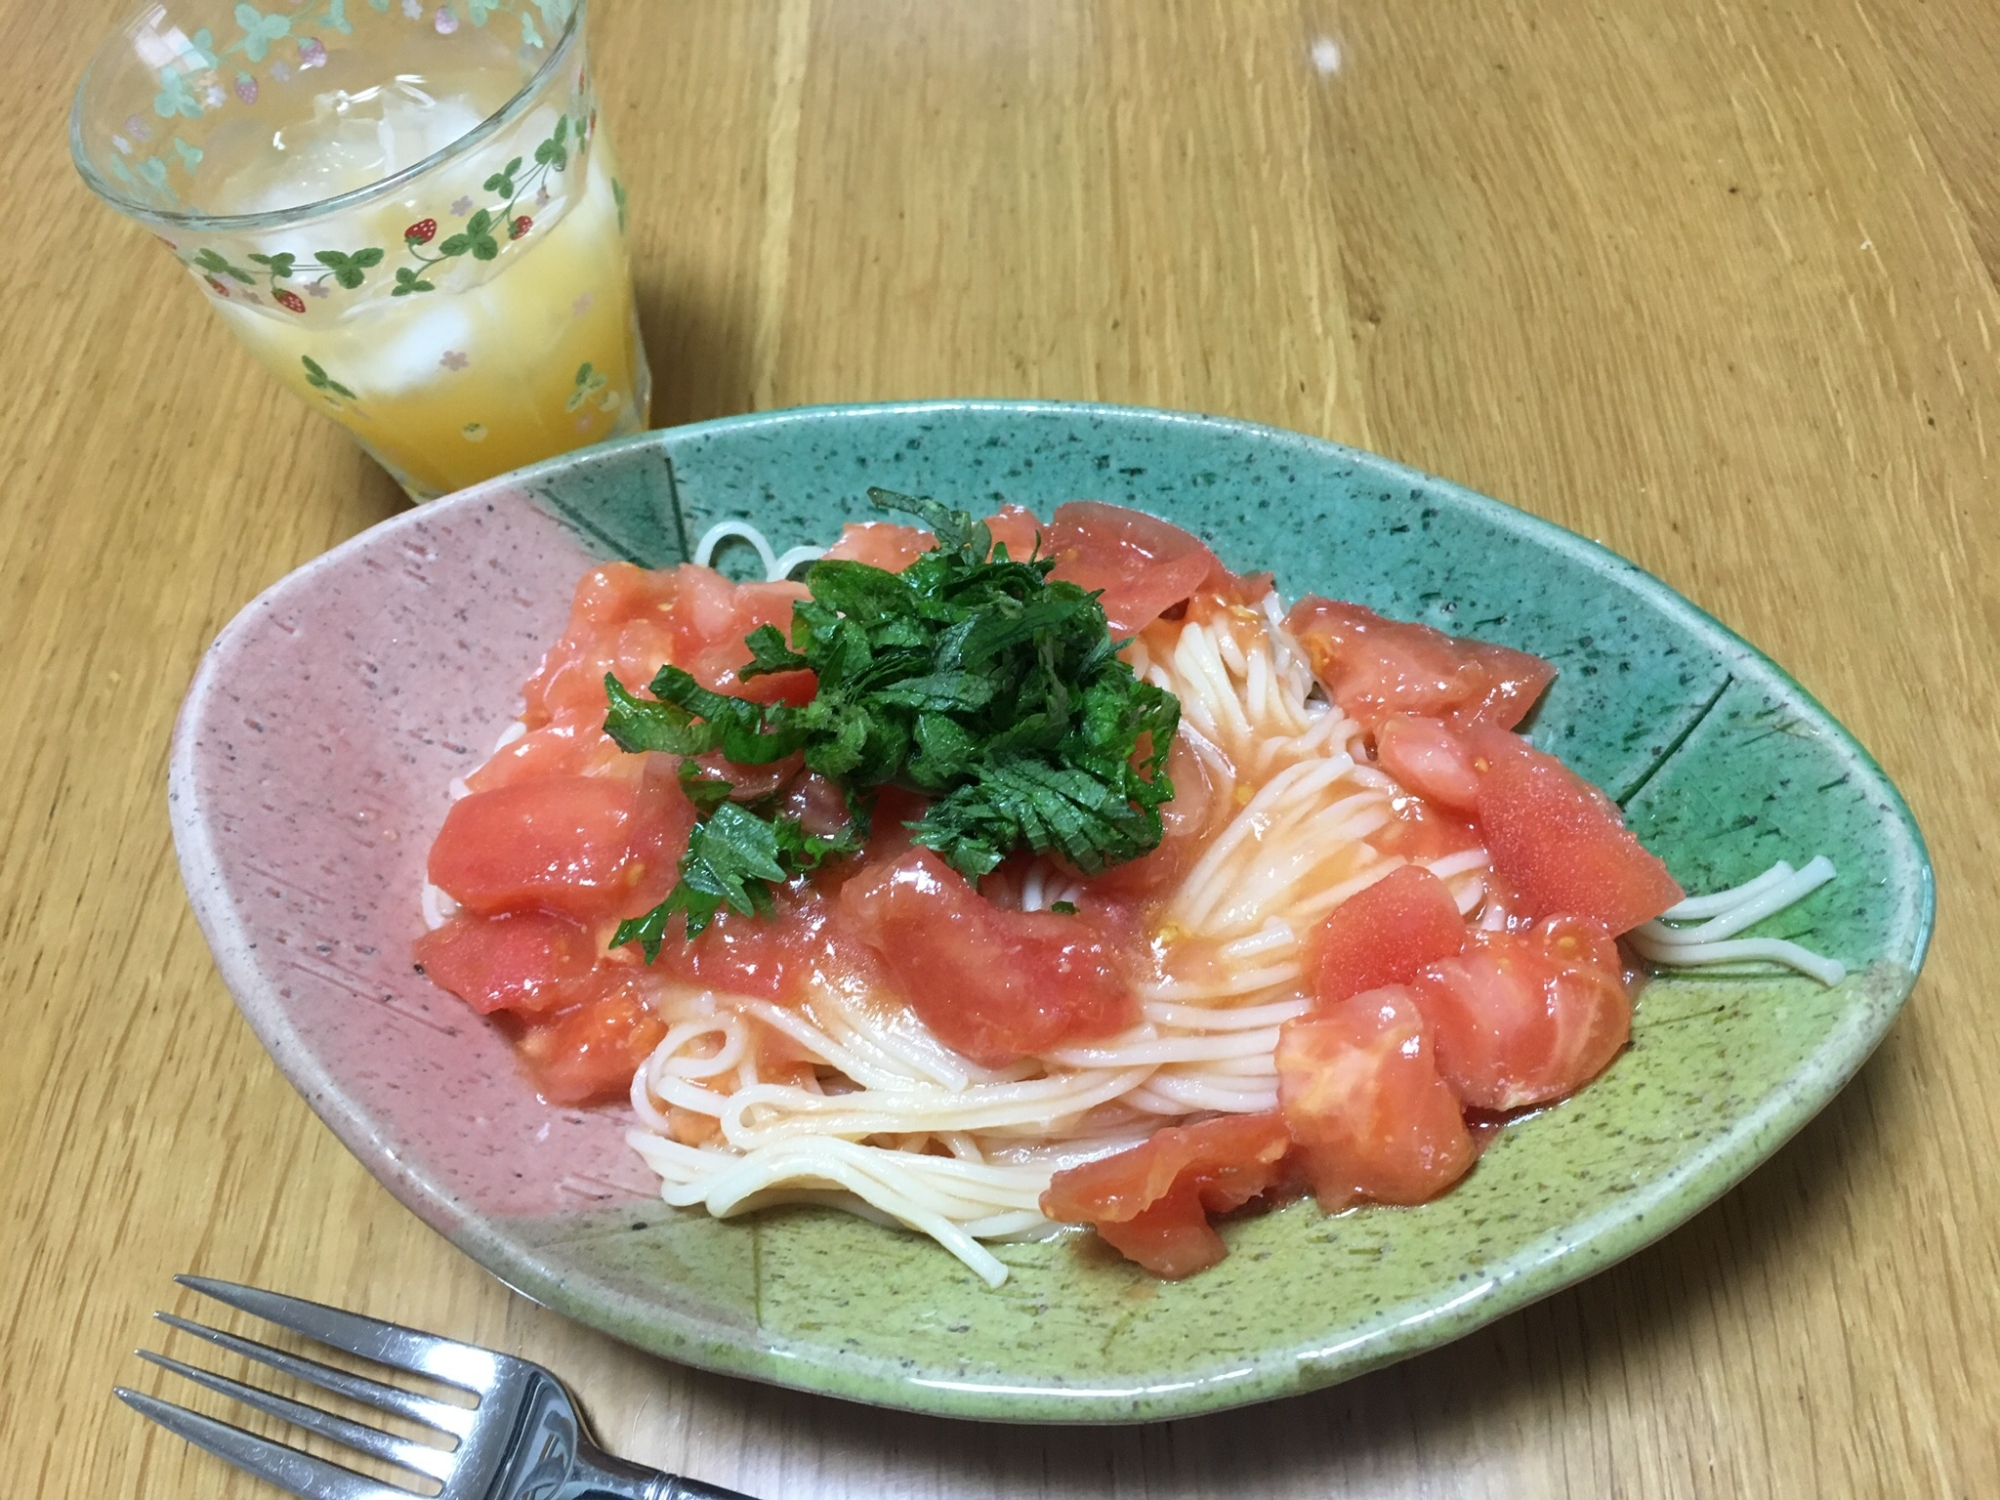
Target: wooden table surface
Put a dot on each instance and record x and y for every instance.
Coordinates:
(1711, 281)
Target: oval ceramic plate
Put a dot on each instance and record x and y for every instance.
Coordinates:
(309, 774)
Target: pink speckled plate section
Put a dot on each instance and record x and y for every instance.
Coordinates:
(308, 779)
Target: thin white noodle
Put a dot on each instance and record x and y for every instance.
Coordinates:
(1168, 1095)
(1033, 897)
(1246, 983)
(1697, 907)
(1157, 1051)
(786, 562)
(721, 531)
(1229, 651)
(868, 1072)
(1760, 904)
(1467, 891)
(671, 1060)
(1828, 971)
(1275, 936)
(962, 1146)
(905, 1040)
(1458, 864)
(1312, 910)
(1382, 781)
(1031, 1105)
(438, 907)
(1257, 684)
(1291, 784)
(1205, 1018)
(835, 1163)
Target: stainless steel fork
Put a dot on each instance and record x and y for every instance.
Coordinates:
(522, 1440)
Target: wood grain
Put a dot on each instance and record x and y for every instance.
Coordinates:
(1713, 282)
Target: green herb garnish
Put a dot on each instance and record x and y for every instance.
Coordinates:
(971, 677)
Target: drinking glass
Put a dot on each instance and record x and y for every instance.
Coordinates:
(406, 210)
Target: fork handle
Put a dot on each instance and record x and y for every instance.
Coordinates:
(602, 1475)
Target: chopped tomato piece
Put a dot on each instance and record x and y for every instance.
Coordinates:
(607, 599)
(1560, 842)
(587, 846)
(1360, 1090)
(590, 1052)
(893, 547)
(1426, 756)
(1375, 668)
(1225, 592)
(1015, 527)
(880, 544)
(1143, 565)
(996, 985)
(629, 623)
(1420, 832)
(712, 616)
(769, 956)
(573, 744)
(518, 961)
(818, 804)
(1152, 1202)
(1383, 935)
(1527, 1017)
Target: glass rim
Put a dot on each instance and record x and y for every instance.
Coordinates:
(281, 218)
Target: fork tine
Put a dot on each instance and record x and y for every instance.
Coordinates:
(303, 1475)
(417, 1457)
(463, 1365)
(456, 1420)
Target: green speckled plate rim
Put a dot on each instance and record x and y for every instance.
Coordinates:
(1560, 1258)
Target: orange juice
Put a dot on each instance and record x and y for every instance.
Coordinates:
(474, 319)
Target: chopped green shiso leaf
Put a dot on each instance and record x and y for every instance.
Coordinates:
(973, 678)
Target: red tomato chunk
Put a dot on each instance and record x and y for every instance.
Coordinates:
(1419, 831)
(995, 985)
(590, 1052)
(770, 956)
(880, 544)
(1524, 1018)
(1559, 842)
(628, 622)
(1383, 935)
(1152, 1203)
(1015, 528)
(1144, 566)
(573, 745)
(1375, 668)
(1360, 1089)
(1430, 759)
(517, 961)
(587, 846)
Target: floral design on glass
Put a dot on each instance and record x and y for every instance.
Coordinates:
(325, 384)
(481, 237)
(346, 268)
(589, 381)
(191, 79)
(487, 226)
